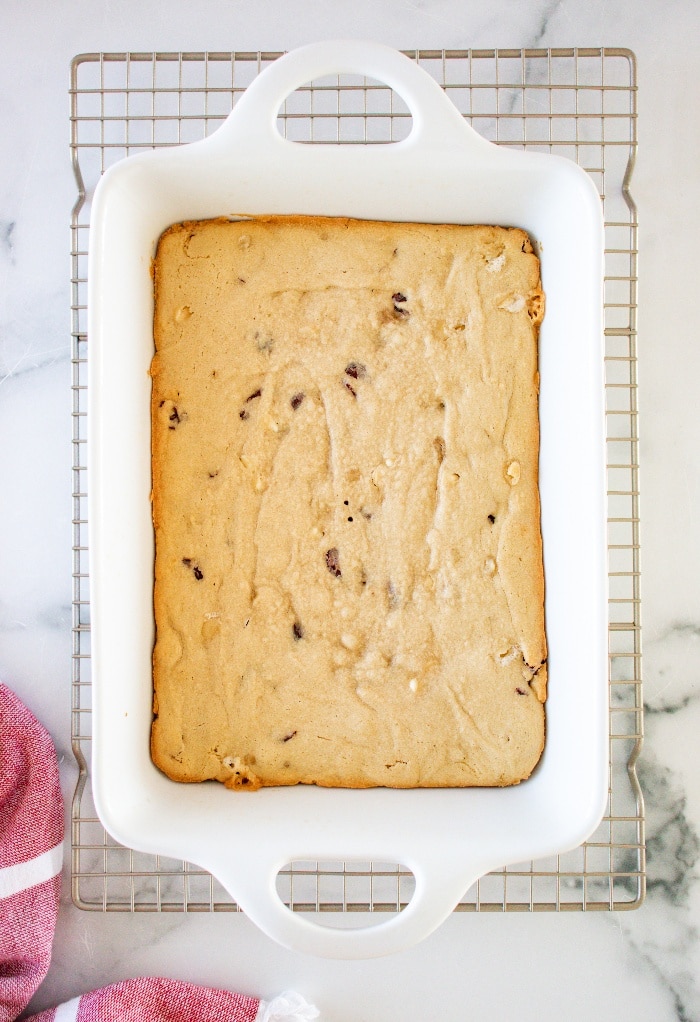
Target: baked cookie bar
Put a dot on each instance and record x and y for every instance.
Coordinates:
(348, 580)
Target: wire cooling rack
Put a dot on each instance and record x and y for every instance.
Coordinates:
(579, 103)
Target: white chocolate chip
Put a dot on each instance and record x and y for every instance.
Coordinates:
(244, 241)
(496, 264)
(513, 473)
(349, 641)
(490, 566)
(513, 303)
(509, 654)
(413, 684)
(210, 629)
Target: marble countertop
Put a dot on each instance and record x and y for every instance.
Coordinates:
(641, 965)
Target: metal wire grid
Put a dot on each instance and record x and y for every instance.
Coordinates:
(580, 103)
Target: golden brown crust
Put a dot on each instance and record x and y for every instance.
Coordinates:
(348, 578)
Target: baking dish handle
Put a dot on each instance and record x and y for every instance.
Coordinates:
(437, 892)
(436, 121)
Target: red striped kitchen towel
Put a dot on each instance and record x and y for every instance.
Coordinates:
(166, 1000)
(31, 844)
(31, 853)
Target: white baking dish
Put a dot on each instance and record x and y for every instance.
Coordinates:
(443, 172)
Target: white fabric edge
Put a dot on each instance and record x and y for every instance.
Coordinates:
(287, 1007)
(68, 1011)
(23, 875)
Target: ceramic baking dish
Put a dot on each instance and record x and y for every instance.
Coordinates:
(443, 172)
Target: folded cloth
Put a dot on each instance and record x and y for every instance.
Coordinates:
(166, 1000)
(31, 853)
(31, 856)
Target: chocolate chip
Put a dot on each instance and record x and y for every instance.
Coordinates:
(346, 502)
(263, 343)
(288, 737)
(297, 631)
(296, 400)
(348, 387)
(399, 311)
(333, 561)
(492, 518)
(198, 573)
(243, 414)
(251, 397)
(521, 691)
(174, 418)
(356, 370)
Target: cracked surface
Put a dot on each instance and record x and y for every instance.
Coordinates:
(349, 585)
